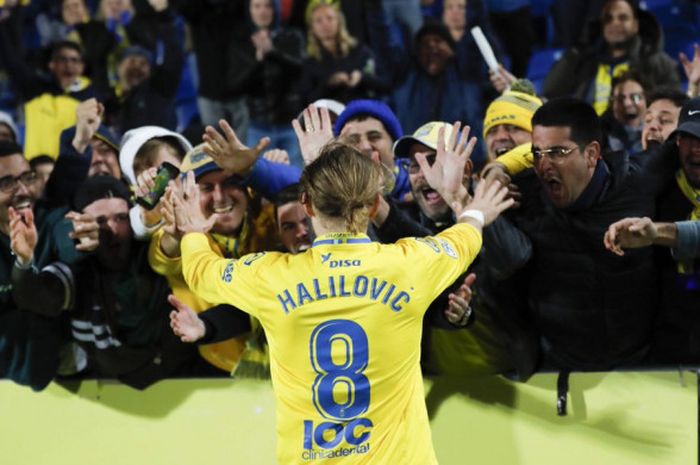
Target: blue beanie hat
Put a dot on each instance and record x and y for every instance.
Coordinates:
(373, 108)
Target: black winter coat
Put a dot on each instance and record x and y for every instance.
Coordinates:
(594, 309)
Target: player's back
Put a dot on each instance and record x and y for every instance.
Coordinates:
(344, 326)
(343, 321)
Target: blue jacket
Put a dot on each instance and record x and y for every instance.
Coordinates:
(420, 98)
(688, 240)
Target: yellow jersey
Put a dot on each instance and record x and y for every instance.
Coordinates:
(343, 322)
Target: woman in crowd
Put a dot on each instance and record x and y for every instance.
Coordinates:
(273, 86)
(338, 67)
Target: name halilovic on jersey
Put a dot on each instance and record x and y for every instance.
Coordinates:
(361, 286)
(350, 393)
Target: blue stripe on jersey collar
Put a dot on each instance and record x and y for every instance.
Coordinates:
(341, 238)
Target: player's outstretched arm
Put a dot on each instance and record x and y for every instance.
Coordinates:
(488, 202)
(185, 322)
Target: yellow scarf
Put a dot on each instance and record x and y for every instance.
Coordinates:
(693, 195)
(603, 84)
(255, 359)
(234, 247)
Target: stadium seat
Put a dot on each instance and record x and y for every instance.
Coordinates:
(540, 64)
(654, 4)
(186, 97)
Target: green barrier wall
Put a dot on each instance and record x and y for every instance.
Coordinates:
(614, 418)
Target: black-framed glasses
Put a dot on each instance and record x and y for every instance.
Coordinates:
(11, 183)
(555, 154)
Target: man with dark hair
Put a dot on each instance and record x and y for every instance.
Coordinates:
(631, 40)
(293, 226)
(29, 340)
(661, 117)
(593, 310)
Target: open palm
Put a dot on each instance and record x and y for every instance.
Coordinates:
(447, 172)
(228, 152)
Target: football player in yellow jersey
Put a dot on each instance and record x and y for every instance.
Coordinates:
(343, 319)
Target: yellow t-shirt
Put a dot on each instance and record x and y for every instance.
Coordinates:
(343, 322)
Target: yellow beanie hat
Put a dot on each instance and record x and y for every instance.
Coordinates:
(514, 108)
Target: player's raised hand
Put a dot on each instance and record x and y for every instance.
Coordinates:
(183, 203)
(496, 171)
(446, 174)
(184, 321)
(317, 132)
(228, 152)
(490, 199)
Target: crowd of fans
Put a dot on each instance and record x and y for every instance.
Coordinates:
(604, 163)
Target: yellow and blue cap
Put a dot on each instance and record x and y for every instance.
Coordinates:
(426, 135)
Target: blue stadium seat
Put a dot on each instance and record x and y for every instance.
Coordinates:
(186, 97)
(678, 21)
(186, 112)
(188, 81)
(540, 7)
(540, 64)
(654, 4)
